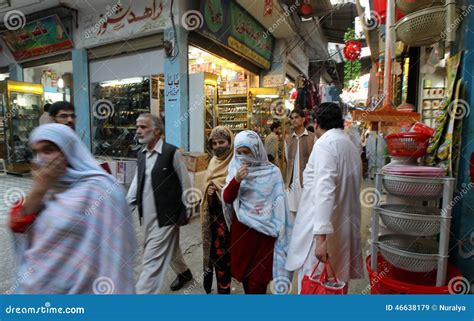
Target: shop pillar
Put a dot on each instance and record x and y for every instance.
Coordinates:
(176, 84)
(277, 69)
(16, 72)
(80, 67)
(464, 209)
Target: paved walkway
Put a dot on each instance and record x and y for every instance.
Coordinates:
(11, 187)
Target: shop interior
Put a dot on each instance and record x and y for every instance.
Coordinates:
(20, 110)
(232, 97)
(56, 79)
(116, 105)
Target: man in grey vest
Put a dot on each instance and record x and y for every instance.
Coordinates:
(157, 190)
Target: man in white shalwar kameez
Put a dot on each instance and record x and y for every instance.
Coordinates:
(328, 220)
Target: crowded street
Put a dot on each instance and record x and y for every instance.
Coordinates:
(190, 241)
(226, 147)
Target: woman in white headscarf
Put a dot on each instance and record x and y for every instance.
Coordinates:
(259, 218)
(77, 231)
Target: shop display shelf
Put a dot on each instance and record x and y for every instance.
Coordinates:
(413, 187)
(410, 249)
(233, 112)
(433, 98)
(409, 253)
(232, 104)
(232, 95)
(410, 219)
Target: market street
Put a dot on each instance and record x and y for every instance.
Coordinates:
(191, 245)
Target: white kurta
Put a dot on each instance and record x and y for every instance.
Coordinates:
(330, 205)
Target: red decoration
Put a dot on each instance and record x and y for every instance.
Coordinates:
(305, 9)
(268, 8)
(352, 50)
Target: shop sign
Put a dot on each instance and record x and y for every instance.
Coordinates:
(172, 87)
(228, 23)
(273, 80)
(124, 20)
(37, 38)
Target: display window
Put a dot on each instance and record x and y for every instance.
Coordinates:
(20, 110)
(56, 79)
(116, 105)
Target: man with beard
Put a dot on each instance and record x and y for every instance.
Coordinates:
(157, 189)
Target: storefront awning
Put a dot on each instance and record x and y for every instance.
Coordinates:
(336, 23)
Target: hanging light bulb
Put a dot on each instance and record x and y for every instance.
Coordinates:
(213, 66)
(200, 61)
(60, 83)
(224, 72)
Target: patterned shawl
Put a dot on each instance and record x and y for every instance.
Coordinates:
(83, 240)
(216, 174)
(262, 204)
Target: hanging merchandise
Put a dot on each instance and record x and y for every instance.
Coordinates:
(307, 94)
(448, 119)
(268, 8)
(352, 52)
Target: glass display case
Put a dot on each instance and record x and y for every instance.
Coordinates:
(210, 119)
(265, 104)
(21, 108)
(232, 111)
(202, 110)
(116, 106)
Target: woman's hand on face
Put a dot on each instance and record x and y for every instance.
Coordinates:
(47, 175)
(242, 173)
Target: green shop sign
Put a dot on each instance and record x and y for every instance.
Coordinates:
(228, 23)
(37, 38)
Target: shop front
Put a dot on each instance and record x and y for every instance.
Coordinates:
(418, 111)
(125, 73)
(119, 96)
(55, 78)
(41, 49)
(227, 58)
(20, 109)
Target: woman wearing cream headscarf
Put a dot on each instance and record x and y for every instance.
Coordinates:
(215, 234)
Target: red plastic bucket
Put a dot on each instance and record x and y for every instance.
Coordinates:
(391, 280)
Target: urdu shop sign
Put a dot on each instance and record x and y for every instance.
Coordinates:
(228, 23)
